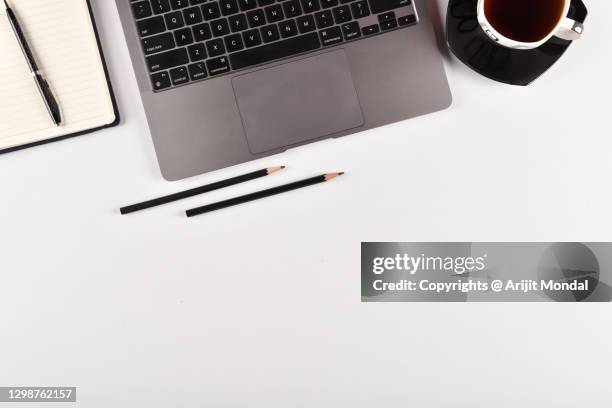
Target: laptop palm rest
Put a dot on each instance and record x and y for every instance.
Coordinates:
(296, 102)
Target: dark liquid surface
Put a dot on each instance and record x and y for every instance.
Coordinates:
(524, 20)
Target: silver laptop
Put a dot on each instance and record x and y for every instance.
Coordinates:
(228, 81)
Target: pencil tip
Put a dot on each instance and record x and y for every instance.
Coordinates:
(282, 167)
(271, 170)
(6, 4)
(331, 176)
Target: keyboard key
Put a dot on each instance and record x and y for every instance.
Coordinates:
(233, 43)
(197, 71)
(215, 47)
(382, 18)
(217, 66)
(174, 20)
(160, 6)
(342, 14)
(306, 23)
(310, 6)
(197, 52)
(292, 8)
(256, 18)
(158, 43)
(270, 33)
(274, 51)
(407, 20)
(388, 25)
(251, 38)
(324, 19)
(228, 7)
(179, 4)
(330, 36)
(142, 9)
(179, 76)
(287, 28)
(151, 26)
(274, 13)
(169, 59)
(211, 11)
(201, 32)
(263, 3)
(220, 27)
(360, 9)
(351, 30)
(371, 29)
(192, 15)
(161, 80)
(329, 3)
(238, 23)
(246, 5)
(183, 37)
(380, 6)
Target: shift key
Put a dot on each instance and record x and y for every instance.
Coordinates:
(380, 6)
(168, 59)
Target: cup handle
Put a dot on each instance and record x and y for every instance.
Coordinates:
(570, 30)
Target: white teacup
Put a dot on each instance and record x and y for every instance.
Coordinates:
(565, 28)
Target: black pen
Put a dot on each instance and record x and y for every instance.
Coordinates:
(42, 85)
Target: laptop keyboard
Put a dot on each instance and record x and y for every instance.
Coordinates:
(186, 41)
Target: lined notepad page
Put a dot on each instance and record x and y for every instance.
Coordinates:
(62, 38)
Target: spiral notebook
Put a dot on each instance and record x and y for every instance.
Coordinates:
(64, 40)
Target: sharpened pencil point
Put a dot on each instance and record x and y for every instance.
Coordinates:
(271, 170)
(331, 176)
(6, 4)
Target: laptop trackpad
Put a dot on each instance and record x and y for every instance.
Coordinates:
(297, 101)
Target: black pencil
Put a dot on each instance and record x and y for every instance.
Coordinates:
(199, 190)
(262, 194)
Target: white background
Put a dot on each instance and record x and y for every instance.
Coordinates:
(259, 305)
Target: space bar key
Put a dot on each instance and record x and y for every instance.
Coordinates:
(274, 51)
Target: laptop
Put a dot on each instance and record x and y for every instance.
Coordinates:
(228, 81)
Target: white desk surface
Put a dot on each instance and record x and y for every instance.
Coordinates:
(259, 305)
